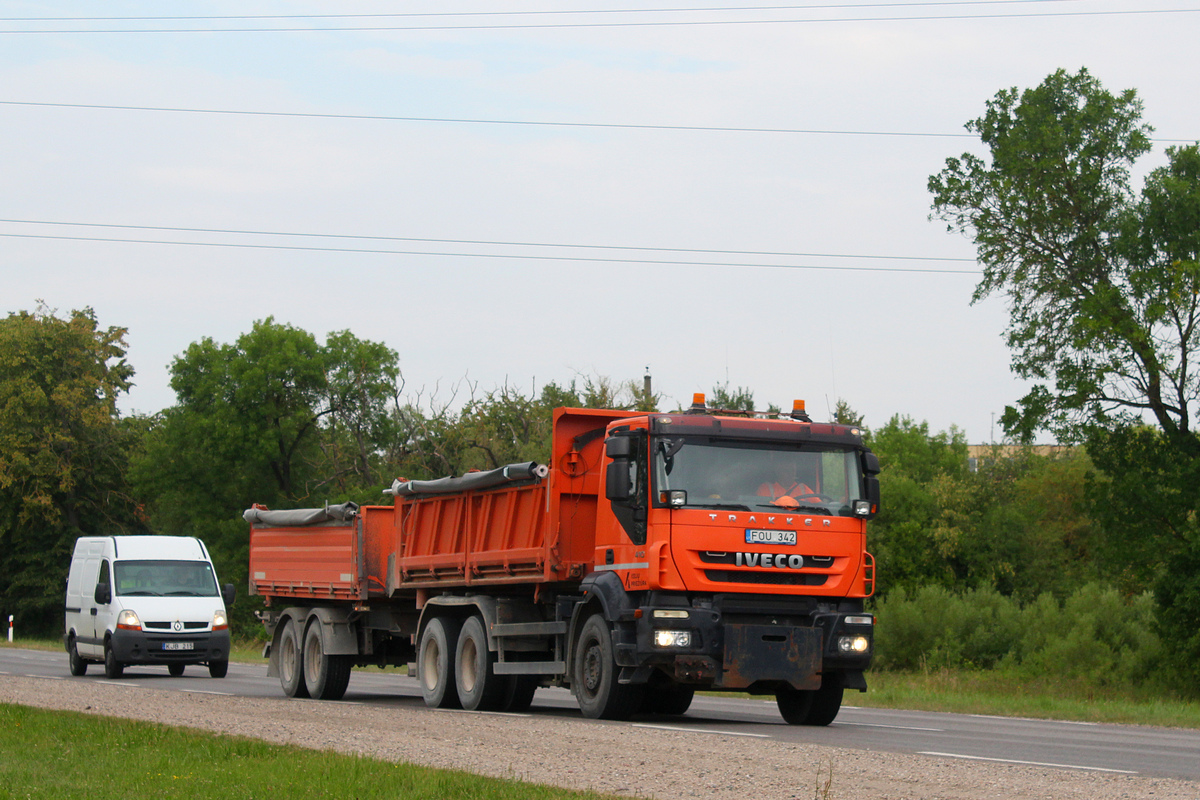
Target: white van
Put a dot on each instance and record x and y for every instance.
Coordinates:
(145, 600)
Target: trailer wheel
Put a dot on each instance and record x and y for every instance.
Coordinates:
(326, 676)
(819, 707)
(594, 678)
(479, 687)
(291, 661)
(78, 665)
(113, 669)
(435, 655)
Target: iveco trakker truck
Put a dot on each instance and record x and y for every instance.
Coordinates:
(655, 555)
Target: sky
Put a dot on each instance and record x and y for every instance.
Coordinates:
(499, 203)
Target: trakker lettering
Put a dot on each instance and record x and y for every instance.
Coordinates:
(769, 560)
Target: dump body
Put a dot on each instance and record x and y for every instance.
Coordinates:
(655, 554)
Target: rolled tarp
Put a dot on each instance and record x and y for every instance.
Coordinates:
(511, 473)
(343, 512)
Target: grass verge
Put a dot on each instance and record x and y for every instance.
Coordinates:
(68, 754)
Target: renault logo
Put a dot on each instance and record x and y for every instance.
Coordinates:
(177, 626)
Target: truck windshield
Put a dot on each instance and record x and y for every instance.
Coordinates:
(754, 475)
(165, 578)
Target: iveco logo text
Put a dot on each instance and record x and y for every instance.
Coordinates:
(769, 560)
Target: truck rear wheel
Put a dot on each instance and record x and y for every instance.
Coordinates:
(594, 677)
(291, 661)
(325, 675)
(478, 685)
(435, 655)
(819, 707)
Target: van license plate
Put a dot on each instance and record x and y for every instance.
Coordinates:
(178, 645)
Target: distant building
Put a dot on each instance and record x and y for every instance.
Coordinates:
(981, 454)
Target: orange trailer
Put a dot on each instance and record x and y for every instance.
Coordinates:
(656, 554)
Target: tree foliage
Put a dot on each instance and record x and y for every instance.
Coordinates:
(1102, 286)
(63, 452)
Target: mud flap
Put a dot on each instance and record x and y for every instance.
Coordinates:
(771, 653)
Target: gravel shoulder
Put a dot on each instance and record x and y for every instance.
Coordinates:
(618, 759)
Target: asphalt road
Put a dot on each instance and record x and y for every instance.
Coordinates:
(1116, 749)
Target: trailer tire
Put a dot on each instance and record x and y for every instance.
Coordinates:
(479, 687)
(594, 679)
(435, 656)
(325, 675)
(78, 665)
(291, 661)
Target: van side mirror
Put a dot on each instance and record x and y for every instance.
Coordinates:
(103, 594)
(228, 594)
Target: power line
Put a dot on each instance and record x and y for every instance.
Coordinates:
(563, 12)
(523, 257)
(467, 121)
(633, 24)
(517, 122)
(472, 241)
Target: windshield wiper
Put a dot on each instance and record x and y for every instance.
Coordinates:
(734, 506)
(815, 509)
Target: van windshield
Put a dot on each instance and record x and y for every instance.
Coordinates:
(165, 578)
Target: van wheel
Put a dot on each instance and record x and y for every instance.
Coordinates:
(479, 687)
(175, 670)
(78, 665)
(325, 676)
(218, 669)
(113, 669)
(291, 662)
(594, 678)
(435, 656)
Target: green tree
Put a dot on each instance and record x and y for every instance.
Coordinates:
(63, 453)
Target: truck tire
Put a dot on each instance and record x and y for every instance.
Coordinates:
(113, 669)
(291, 661)
(818, 707)
(594, 677)
(671, 699)
(435, 657)
(479, 687)
(518, 693)
(78, 665)
(325, 675)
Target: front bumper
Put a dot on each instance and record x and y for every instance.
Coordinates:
(142, 647)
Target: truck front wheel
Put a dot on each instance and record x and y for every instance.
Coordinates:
(326, 676)
(291, 661)
(435, 655)
(594, 677)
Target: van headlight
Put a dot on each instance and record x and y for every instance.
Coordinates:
(128, 620)
(219, 622)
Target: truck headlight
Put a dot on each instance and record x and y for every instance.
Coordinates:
(853, 645)
(672, 638)
(128, 620)
(219, 621)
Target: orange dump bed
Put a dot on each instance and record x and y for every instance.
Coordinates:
(533, 531)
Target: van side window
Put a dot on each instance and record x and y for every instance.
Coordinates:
(103, 576)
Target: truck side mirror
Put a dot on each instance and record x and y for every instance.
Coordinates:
(617, 485)
(873, 494)
(870, 463)
(228, 594)
(103, 594)
(618, 447)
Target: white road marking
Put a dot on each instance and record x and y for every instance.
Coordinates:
(1027, 763)
(205, 691)
(1030, 719)
(699, 730)
(893, 727)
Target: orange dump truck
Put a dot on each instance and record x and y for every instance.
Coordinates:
(656, 554)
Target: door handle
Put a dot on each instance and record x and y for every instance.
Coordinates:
(93, 611)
